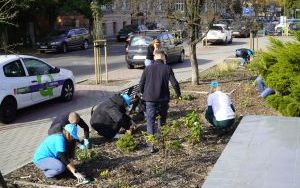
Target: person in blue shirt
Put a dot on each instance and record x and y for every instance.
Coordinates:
(51, 156)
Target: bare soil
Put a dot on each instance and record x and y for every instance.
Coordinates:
(186, 168)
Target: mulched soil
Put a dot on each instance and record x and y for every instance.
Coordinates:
(187, 168)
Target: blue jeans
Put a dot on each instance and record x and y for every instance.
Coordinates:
(153, 109)
(263, 89)
(51, 166)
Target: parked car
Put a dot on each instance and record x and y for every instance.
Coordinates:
(240, 29)
(136, 50)
(27, 80)
(123, 33)
(64, 40)
(219, 33)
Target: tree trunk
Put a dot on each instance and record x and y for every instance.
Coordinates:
(194, 64)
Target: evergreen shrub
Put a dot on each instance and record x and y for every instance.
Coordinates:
(280, 68)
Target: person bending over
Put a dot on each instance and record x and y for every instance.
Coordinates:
(51, 156)
(109, 116)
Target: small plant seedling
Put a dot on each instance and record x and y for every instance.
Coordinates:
(193, 123)
(149, 138)
(104, 173)
(126, 143)
(187, 97)
(173, 145)
(85, 154)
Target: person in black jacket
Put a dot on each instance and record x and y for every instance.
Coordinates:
(60, 121)
(109, 116)
(154, 85)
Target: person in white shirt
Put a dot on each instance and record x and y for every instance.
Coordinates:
(220, 110)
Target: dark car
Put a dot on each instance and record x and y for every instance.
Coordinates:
(136, 50)
(127, 29)
(240, 29)
(64, 40)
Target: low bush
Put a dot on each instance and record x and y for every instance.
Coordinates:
(126, 143)
(280, 68)
(191, 120)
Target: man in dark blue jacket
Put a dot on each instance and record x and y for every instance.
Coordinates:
(154, 85)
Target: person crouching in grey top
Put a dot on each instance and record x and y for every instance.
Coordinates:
(154, 85)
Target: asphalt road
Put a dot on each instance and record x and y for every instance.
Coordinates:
(81, 62)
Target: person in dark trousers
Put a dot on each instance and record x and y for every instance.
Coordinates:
(60, 121)
(51, 156)
(154, 85)
(220, 111)
(109, 116)
(155, 45)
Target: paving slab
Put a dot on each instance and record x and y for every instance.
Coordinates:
(262, 153)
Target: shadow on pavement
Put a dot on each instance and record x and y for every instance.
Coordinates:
(83, 99)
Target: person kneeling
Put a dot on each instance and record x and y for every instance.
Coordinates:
(51, 155)
(220, 111)
(110, 115)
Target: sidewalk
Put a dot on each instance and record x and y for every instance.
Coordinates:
(17, 145)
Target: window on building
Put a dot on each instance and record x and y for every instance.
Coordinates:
(125, 5)
(104, 28)
(124, 23)
(179, 5)
(114, 27)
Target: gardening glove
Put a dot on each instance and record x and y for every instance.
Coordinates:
(81, 146)
(86, 143)
(79, 176)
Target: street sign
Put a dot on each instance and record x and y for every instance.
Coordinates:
(247, 11)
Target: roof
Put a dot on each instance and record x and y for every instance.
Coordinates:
(5, 58)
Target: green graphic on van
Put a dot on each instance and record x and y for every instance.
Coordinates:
(48, 89)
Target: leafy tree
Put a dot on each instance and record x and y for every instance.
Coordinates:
(197, 17)
(236, 7)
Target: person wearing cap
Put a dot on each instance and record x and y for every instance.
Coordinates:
(154, 85)
(110, 115)
(220, 111)
(155, 45)
(51, 155)
(60, 121)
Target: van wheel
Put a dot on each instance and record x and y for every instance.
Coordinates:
(67, 91)
(8, 110)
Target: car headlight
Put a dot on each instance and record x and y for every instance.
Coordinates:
(54, 43)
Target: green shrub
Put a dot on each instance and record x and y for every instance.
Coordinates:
(104, 173)
(126, 143)
(187, 96)
(280, 69)
(274, 100)
(293, 109)
(173, 145)
(192, 122)
(149, 138)
(85, 154)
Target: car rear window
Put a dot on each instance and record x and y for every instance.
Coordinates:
(218, 28)
(140, 41)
